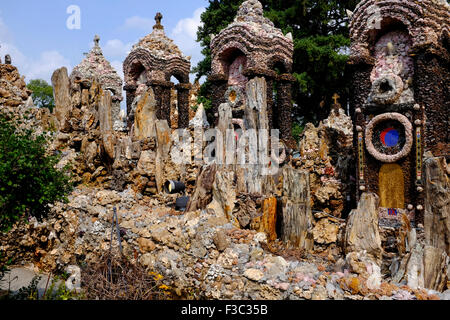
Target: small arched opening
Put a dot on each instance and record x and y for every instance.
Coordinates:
(179, 101)
(174, 112)
(384, 27)
(234, 63)
(137, 74)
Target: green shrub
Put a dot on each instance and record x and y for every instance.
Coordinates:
(297, 131)
(29, 181)
(42, 94)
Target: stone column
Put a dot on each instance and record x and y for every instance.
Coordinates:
(115, 108)
(284, 103)
(219, 85)
(131, 94)
(183, 104)
(269, 81)
(165, 101)
(433, 98)
(162, 90)
(430, 79)
(360, 90)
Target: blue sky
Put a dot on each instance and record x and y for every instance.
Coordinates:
(36, 36)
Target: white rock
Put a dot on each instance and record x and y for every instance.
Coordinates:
(374, 280)
(74, 281)
(254, 274)
(105, 197)
(260, 238)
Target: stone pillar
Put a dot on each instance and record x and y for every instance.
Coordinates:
(430, 82)
(162, 90)
(284, 104)
(219, 85)
(183, 104)
(115, 108)
(269, 81)
(131, 94)
(360, 90)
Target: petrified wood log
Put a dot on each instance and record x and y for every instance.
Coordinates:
(437, 204)
(61, 85)
(105, 112)
(163, 138)
(297, 224)
(145, 116)
(435, 263)
(224, 194)
(269, 219)
(362, 233)
(203, 192)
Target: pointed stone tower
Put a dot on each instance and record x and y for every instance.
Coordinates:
(95, 66)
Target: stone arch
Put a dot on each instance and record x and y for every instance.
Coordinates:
(279, 65)
(229, 55)
(392, 186)
(135, 72)
(425, 20)
(387, 24)
(179, 86)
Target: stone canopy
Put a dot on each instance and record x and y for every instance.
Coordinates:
(427, 22)
(256, 37)
(156, 57)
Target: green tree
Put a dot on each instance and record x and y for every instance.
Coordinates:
(42, 94)
(29, 181)
(321, 39)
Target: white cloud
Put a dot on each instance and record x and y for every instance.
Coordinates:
(137, 22)
(118, 66)
(185, 35)
(44, 67)
(189, 26)
(116, 48)
(41, 68)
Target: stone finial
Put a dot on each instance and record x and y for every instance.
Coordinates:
(158, 19)
(7, 59)
(252, 11)
(336, 104)
(336, 98)
(97, 40)
(251, 7)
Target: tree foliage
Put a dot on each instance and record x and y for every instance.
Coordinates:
(321, 37)
(29, 181)
(42, 94)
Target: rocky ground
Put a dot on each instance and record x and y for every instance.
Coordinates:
(199, 254)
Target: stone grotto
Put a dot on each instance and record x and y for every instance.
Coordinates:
(358, 209)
